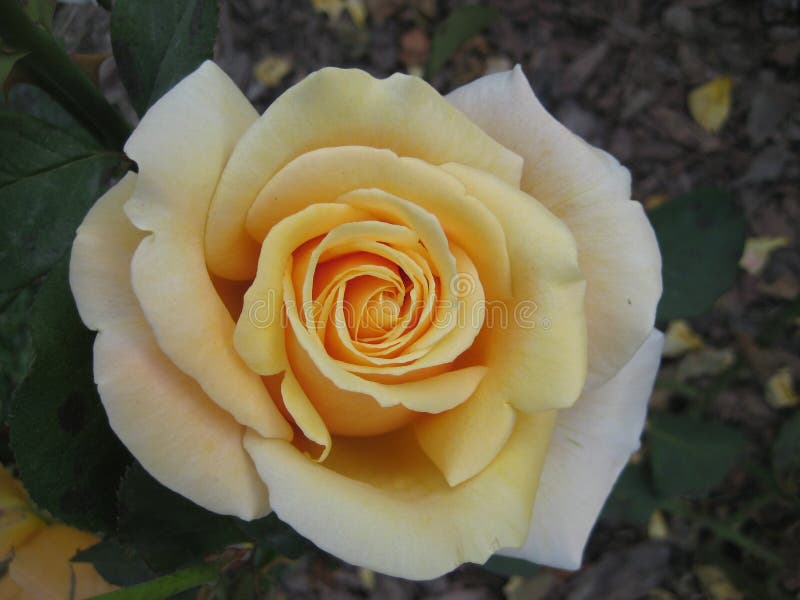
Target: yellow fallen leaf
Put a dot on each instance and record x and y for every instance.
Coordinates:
(757, 251)
(655, 200)
(271, 69)
(705, 362)
(780, 390)
(680, 339)
(367, 578)
(716, 584)
(334, 8)
(710, 104)
(657, 528)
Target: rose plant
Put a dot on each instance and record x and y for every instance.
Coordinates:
(419, 329)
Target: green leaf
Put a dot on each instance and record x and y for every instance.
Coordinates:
(7, 62)
(632, 500)
(16, 350)
(35, 102)
(157, 43)
(273, 534)
(786, 455)
(166, 529)
(165, 586)
(508, 566)
(69, 459)
(41, 11)
(689, 456)
(117, 563)
(701, 237)
(49, 178)
(463, 23)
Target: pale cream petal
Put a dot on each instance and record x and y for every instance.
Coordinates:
(385, 489)
(174, 430)
(181, 146)
(178, 434)
(535, 343)
(590, 191)
(101, 300)
(326, 174)
(591, 444)
(335, 107)
(42, 569)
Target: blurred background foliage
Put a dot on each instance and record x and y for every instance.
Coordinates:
(698, 98)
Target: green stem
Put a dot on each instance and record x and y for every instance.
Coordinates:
(166, 586)
(60, 77)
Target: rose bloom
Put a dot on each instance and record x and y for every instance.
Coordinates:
(419, 329)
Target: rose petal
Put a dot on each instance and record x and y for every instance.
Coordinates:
(591, 444)
(534, 345)
(590, 191)
(335, 107)
(178, 434)
(379, 489)
(42, 567)
(326, 174)
(181, 146)
(463, 441)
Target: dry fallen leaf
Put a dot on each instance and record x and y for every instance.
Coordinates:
(757, 251)
(780, 390)
(655, 200)
(710, 104)
(716, 584)
(271, 69)
(707, 361)
(657, 528)
(334, 8)
(679, 339)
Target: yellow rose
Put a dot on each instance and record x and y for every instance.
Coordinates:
(394, 319)
(40, 566)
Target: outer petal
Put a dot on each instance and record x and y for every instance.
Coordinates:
(161, 415)
(383, 505)
(181, 146)
(590, 191)
(336, 107)
(591, 444)
(42, 569)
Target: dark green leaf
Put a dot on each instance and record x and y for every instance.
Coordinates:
(165, 586)
(29, 147)
(786, 454)
(701, 236)
(273, 534)
(41, 11)
(168, 530)
(689, 456)
(505, 565)
(7, 62)
(463, 23)
(117, 563)
(157, 43)
(632, 500)
(16, 350)
(49, 177)
(34, 101)
(69, 459)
